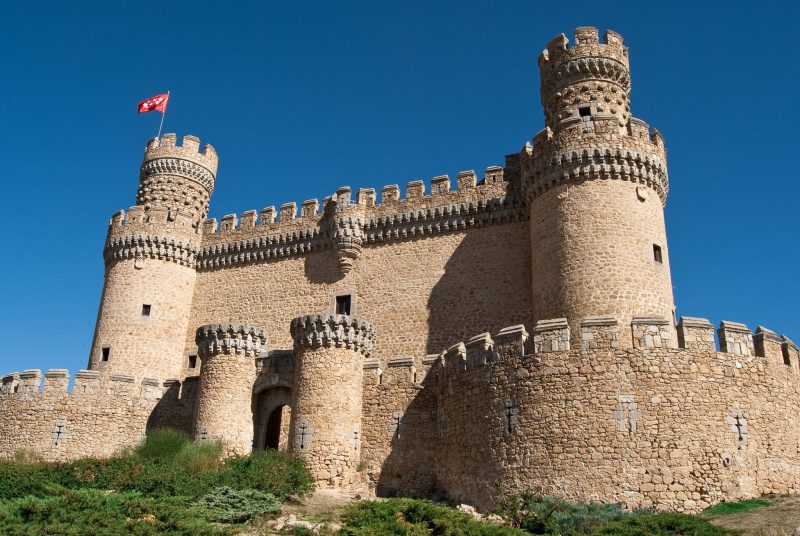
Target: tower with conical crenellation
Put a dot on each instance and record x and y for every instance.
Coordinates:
(150, 256)
(596, 183)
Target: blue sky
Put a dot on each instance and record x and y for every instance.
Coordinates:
(302, 97)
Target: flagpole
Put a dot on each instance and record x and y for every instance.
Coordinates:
(158, 136)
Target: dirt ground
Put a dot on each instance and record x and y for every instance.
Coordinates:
(782, 518)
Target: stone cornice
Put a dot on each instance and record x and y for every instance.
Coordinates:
(239, 339)
(179, 167)
(599, 163)
(339, 331)
(261, 248)
(145, 246)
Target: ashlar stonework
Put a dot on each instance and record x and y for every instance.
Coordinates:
(383, 335)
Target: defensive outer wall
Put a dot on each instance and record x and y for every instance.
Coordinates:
(579, 382)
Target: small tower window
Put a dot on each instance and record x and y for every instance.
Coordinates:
(585, 111)
(343, 305)
(106, 351)
(192, 361)
(146, 309)
(657, 253)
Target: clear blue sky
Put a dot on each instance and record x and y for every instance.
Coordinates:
(302, 97)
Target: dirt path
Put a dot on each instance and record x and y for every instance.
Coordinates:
(782, 518)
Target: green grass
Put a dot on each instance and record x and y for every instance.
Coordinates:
(727, 508)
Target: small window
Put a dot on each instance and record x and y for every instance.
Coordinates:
(343, 305)
(585, 111)
(657, 253)
(146, 309)
(192, 361)
(106, 352)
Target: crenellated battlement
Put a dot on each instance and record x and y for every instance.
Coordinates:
(648, 334)
(28, 385)
(283, 233)
(189, 150)
(339, 331)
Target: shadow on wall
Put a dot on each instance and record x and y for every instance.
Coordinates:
(486, 286)
(176, 408)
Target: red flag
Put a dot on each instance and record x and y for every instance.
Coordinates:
(159, 102)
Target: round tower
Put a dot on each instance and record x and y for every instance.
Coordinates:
(325, 426)
(228, 370)
(150, 256)
(596, 182)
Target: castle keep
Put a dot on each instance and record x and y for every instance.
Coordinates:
(473, 338)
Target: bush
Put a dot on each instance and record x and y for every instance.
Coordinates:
(411, 517)
(662, 524)
(553, 515)
(92, 512)
(272, 471)
(227, 505)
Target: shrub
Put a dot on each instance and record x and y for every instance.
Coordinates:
(272, 471)
(92, 512)
(553, 515)
(227, 505)
(411, 517)
(662, 524)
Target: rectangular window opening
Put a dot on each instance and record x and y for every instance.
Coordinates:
(343, 305)
(192, 361)
(106, 352)
(145, 309)
(657, 253)
(585, 111)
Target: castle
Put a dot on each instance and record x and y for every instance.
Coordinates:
(510, 332)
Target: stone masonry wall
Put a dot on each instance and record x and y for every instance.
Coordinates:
(668, 428)
(99, 417)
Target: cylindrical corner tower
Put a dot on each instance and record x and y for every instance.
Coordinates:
(326, 411)
(150, 256)
(596, 181)
(228, 370)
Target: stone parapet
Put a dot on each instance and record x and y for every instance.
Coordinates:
(598, 332)
(140, 247)
(735, 338)
(339, 331)
(551, 336)
(696, 334)
(652, 332)
(767, 344)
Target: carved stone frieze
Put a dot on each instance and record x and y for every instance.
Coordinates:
(338, 331)
(240, 339)
(144, 246)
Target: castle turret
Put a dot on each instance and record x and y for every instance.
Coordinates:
(325, 426)
(596, 182)
(227, 374)
(150, 256)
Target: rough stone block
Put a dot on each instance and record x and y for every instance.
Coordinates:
(467, 180)
(309, 208)
(366, 197)
(479, 350)
(267, 215)
(790, 352)
(390, 193)
(735, 338)
(415, 189)
(493, 174)
(210, 226)
(400, 370)
(599, 332)
(30, 380)
(440, 184)
(248, 220)
(229, 222)
(696, 334)
(551, 336)
(510, 341)
(766, 343)
(651, 332)
(288, 212)
(56, 380)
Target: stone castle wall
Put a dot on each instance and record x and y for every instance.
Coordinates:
(432, 269)
(677, 429)
(100, 416)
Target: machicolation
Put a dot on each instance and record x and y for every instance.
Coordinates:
(504, 331)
